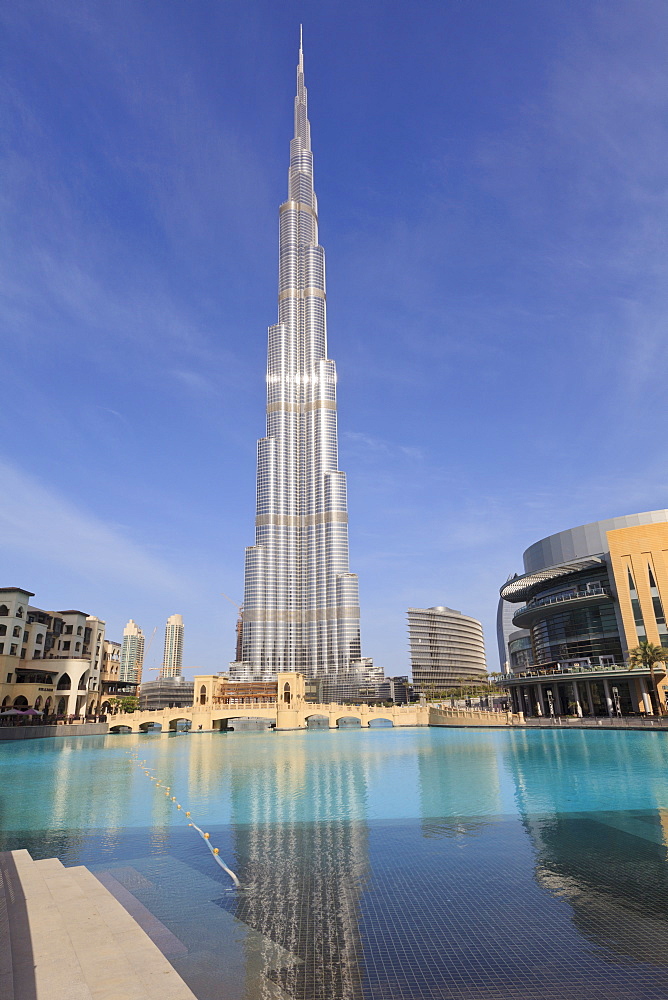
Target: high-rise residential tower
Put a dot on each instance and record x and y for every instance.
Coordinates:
(447, 649)
(301, 604)
(173, 655)
(132, 654)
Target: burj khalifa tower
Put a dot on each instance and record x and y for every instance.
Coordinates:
(301, 604)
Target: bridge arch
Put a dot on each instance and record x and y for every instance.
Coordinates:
(317, 721)
(120, 729)
(174, 723)
(381, 723)
(349, 722)
(150, 727)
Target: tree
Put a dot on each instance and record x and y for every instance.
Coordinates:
(647, 655)
(127, 703)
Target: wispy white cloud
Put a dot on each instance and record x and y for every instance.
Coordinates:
(193, 381)
(381, 447)
(38, 521)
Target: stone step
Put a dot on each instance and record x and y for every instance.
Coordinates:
(6, 973)
(44, 957)
(85, 945)
(49, 865)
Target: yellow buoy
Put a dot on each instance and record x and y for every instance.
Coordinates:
(178, 806)
(206, 836)
(215, 850)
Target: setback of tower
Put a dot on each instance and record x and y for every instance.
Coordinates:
(301, 604)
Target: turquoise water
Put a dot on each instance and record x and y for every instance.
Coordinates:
(373, 864)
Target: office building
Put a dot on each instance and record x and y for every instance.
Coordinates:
(301, 605)
(132, 654)
(504, 626)
(173, 656)
(173, 691)
(588, 596)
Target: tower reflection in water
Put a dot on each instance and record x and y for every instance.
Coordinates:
(459, 794)
(301, 854)
(607, 863)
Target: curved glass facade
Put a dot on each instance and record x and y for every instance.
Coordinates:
(447, 649)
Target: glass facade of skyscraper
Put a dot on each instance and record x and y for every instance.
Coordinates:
(301, 605)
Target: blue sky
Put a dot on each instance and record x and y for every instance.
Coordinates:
(492, 184)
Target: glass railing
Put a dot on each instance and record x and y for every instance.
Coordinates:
(572, 595)
(594, 668)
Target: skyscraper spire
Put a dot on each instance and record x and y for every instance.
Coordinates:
(301, 606)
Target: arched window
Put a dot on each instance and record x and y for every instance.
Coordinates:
(202, 695)
(64, 683)
(38, 702)
(3, 630)
(61, 706)
(4, 610)
(77, 647)
(286, 693)
(20, 702)
(19, 612)
(80, 631)
(17, 631)
(7, 701)
(47, 706)
(39, 638)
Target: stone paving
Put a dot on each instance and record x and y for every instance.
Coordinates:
(63, 936)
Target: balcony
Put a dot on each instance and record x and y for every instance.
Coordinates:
(593, 671)
(544, 606)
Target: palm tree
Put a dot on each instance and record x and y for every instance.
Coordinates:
(646, 654)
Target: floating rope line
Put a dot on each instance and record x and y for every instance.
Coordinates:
(205, 836)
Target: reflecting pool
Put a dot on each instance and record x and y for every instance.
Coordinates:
(386, 864)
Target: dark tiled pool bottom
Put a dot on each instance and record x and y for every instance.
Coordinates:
(570, 906)
(564, 906)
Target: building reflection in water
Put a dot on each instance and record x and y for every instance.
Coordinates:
(459, 794)
(302, 877)
(608, 864)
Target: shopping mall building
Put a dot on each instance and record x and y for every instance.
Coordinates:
(587, 596)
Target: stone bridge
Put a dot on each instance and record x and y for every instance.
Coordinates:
(282, 717)
(297, 716)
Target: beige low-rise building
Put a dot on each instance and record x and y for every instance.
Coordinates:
(50, 661)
